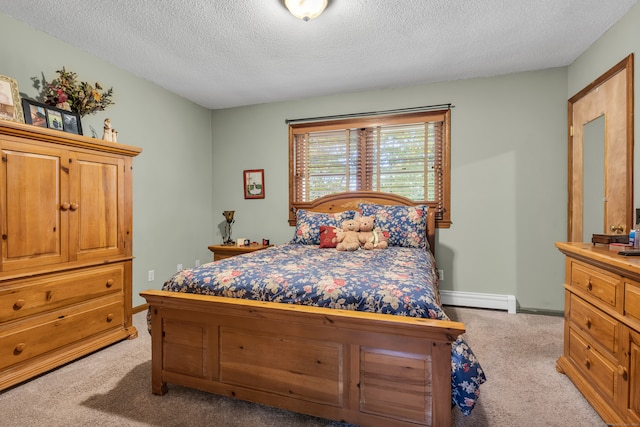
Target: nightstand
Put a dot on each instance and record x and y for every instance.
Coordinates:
(227, 251)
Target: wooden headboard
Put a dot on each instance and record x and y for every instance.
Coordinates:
(350, 200)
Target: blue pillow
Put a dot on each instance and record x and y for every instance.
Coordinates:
(407, 225)
(308, 225)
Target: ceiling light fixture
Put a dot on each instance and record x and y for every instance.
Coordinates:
(306, 9)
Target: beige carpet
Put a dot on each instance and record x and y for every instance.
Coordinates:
(112, 387)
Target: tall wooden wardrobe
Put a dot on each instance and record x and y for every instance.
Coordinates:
(66, 241)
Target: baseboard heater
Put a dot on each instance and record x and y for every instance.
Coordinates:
(478, 300)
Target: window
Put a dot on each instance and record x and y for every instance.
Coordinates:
(405, 154)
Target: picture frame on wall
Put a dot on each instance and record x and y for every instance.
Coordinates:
(43, 115)
(10, 106)
(254, 184)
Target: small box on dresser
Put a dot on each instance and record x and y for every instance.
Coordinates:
(602, 330)
(66, 239)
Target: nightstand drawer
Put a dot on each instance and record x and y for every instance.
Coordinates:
(36, 295)
(596, 283)
(603, 328)
(600, 371)
(228, 251)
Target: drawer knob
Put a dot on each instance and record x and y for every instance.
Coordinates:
(109, 283)
(589, 285)
(19, 348)
(587, 322)
(587, 363)
(109, 317)
(74, 206)
(19, 304)
(65, 206)
(622, 371)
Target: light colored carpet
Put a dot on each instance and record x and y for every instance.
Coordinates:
(112, 387)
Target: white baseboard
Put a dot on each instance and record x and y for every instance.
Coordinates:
(477, 300)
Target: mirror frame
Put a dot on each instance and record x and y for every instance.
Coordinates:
(626, 65)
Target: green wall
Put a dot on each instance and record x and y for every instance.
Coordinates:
(615, 45)
(509, 162)
(173, 175)
(509, 168)
(508, 176)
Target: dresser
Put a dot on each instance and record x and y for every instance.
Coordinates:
(602, 329)
(66, 239)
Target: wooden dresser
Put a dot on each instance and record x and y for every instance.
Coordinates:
(602, 330)
(65, 267)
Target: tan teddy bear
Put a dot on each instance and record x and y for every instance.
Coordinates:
(365, 235)
(347, 236)
(369, 237)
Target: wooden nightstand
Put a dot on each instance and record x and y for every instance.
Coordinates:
(224, 251)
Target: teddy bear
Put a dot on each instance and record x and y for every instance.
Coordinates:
(380, 239)
(347, 235)
(365, 235)
(370, 237)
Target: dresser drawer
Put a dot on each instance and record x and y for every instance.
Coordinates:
(26, 297)
(21, 341)
(605, 286)
(601, 327)
(596, 367)
(632, 300)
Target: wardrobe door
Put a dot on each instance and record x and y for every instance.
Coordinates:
(34, 205)
(97, 221)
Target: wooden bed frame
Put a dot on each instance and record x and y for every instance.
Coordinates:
(363, 368)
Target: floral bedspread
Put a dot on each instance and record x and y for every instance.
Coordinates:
(399, 281)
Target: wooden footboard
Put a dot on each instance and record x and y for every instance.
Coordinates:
(363, 368)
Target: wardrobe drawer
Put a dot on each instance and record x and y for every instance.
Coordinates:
(600, 326)
(596, 368)
(21, 341)
(26, 297)
(597, 283)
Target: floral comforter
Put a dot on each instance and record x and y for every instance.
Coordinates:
(399, 281)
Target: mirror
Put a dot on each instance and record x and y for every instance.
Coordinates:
(601, 156)
(593, 150)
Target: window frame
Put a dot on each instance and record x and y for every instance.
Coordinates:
(444, 219)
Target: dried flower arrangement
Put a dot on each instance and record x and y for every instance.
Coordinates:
(67, 93)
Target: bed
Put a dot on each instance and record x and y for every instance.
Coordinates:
(358, 336)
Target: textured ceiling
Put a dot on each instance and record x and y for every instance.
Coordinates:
(230, 53)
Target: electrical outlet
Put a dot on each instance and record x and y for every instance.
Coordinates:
(441, 275)
(179, 267)
(197, 264)
(151, 275)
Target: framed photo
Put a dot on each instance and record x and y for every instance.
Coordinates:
(54, 119)
(10, 106)
(254, 184)
(43, 115)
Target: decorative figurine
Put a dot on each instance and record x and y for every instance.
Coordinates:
(108, 132)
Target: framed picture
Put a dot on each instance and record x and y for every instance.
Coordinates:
(254, 184)
(46, 116)
(10, 106)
